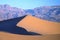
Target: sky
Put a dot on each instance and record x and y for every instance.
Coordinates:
(29, 4)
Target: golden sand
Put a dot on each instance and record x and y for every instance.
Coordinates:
(37, 25)
(9, 36)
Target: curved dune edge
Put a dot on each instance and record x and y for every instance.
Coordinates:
(8, 36)
(37, 25)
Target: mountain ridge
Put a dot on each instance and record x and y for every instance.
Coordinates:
(50, 13)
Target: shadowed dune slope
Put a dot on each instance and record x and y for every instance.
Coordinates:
(10, 26)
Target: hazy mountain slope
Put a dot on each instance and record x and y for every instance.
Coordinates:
(51, 13)
(8, 12)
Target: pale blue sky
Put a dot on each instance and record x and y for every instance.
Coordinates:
(29, 4)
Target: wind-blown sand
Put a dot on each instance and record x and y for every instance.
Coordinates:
(8, 36)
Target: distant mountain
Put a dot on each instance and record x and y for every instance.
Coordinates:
(51, 13)
(8, 12)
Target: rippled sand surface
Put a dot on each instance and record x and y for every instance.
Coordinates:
(9, 36)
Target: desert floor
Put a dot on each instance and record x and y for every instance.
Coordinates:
(9, 36)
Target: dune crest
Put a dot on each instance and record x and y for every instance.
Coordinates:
(37, 25)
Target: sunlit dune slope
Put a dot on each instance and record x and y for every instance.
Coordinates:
(37, 25)
(8, 36)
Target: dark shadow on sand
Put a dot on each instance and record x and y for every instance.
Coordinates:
(10, 26)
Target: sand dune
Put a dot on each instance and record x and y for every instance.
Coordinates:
(34, 24)
(45, 27)
(8, 36)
